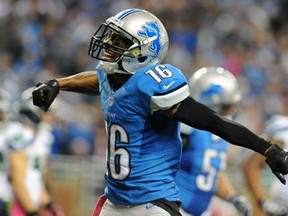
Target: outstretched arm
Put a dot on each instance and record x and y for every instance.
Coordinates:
(85, 82)
(199, 116)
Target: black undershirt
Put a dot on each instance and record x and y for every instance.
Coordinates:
(201, 117)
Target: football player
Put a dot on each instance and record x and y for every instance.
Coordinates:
(29, 140)
(275, 201)
(201, 174)
(143, 101)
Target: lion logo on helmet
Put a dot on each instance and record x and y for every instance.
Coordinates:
(214, 91)
(151, 30)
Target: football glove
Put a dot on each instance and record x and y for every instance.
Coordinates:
(277, 159)
(272, 208)
(241, 204)
(45, 93)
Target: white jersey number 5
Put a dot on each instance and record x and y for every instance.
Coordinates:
(205, 181)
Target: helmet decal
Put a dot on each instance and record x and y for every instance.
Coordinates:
(214, 89)
(150, 30)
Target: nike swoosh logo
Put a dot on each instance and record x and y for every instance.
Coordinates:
(169, 85)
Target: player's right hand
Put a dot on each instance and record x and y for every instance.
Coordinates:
(45, 93)
(272, 208)
(277, 159)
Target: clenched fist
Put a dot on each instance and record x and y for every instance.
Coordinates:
(45, 93)
(277, 159)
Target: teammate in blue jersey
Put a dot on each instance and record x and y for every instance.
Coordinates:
(143, 102)
(204, 154)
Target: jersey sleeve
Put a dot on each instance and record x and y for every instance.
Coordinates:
(166, 85)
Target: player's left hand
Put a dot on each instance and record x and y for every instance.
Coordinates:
(242, 205)
(277, 159)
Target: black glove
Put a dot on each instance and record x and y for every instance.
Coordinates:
(45, 93)
(272, 208)
(241, 204)
(277, 159)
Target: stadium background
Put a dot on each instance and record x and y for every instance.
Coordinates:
(43, 39)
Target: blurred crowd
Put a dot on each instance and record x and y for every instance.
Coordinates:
(44, 39)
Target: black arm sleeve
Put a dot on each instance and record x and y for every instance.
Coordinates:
(201, 117)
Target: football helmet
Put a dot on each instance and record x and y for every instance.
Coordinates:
(128, 41)
(27, 112)
(276, 127)
(215, 87)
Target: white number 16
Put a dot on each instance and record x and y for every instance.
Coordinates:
(159, 72)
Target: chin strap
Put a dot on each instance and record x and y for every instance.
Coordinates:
(113, 67)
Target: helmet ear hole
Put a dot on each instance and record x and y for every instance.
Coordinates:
(142, 59)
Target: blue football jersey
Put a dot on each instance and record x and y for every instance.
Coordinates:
(143, 147)
(201, 163)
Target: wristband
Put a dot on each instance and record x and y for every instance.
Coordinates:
(54, 83)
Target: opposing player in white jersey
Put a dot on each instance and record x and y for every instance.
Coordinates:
(201, 174)
(143, 102)
(29, 144)
(5, 188)
(275, 201)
